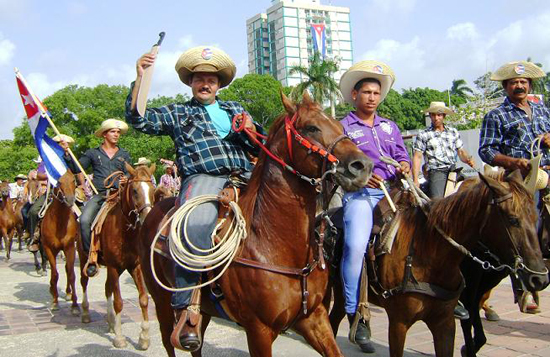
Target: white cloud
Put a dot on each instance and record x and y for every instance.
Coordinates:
(7, 50)
(77, 8)
(462, 32)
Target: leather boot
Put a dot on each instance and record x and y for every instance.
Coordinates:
(362, 334)
(187, 330)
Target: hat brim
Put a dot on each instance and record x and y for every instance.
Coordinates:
(438, 110)
(530, 181)
(99, 132)
(350, 79)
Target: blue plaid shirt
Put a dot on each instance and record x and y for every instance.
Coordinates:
(199, 148)
(507, 130)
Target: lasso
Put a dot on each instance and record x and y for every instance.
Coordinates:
(220, 255)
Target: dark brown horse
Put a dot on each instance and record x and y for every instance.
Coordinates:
(58, 232)
(7, 218)
(499, 214)
(279, 208)
(118, 239)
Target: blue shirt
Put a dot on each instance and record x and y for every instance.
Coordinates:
(507, 130)
(219, 118)
(382, 139)
(199, 148)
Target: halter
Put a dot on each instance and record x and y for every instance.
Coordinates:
(291, 132)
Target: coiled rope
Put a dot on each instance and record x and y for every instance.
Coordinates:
(223, 249)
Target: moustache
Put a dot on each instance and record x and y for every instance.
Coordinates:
(205, 89)
(519, 90)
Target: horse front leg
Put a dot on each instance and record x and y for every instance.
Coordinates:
(443, 329)
(85, 317)
(115, 304)
(260, 339)
(71, 278)
(53, 278)
(137, 275)
(397, 333)
(338, 312)
(317, 331)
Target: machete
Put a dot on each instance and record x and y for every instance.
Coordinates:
(143, 91)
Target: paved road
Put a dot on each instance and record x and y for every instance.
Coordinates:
(29, 328)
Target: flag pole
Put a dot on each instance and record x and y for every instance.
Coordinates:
(50, 121)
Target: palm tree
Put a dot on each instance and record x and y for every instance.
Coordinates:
(460, 88)
(541, 85)
(319, 80)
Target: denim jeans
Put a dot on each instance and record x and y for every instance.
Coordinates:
(358, 221)
(89, 212)
(437, 180)
(202, 222)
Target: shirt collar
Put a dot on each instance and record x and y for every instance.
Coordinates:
(508, 105)
(195, 102)
(353, 118)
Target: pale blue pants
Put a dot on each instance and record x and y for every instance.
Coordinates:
(358, 221)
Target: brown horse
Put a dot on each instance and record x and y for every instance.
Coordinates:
(7, 218)
(58, 232)
(19, 227)
(118, 239)
(162, 192)
(279, 208)
(499, 214)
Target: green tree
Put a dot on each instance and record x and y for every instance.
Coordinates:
(489, 89)
(319, 80)
(460, 88)
(259, 94)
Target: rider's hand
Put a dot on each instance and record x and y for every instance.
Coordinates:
(522, 164)
(374, 181)
(123, 180)
(405, 167)
(546, 140)
(143, 62)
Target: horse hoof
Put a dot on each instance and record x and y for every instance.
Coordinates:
(54, 307)
(143, 343)
(75, 310)
(69, 297)
(85, 319)
(463, 351)
(491, 315)
(120, 342)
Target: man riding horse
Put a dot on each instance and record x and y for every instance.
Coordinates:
(508, 131)
(105, 159)
(365, 85)
(207, 151)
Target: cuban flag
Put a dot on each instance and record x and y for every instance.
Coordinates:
(319, 38)
(49, 150)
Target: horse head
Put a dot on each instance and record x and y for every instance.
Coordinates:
(314, 144)
(4, 189)
(65, 189)
(511, 229)
(139, 191)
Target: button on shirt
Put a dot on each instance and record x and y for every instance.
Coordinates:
(507, 130)
(382, 139)
(103, 166)
(439, 147)
(199, 147)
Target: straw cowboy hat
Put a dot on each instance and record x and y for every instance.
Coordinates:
(206, 59)
(537, 179)
(367, 69)
(517, 69)
(111, 124)
(142, 161)
(79, 194)
(63, 137)
(20, 176)
(438, 108)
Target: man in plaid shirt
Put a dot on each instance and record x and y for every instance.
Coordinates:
(207, 151)
(440, 145)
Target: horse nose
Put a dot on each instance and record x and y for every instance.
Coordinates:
(359, 166)
(70, 200)
(538, 282)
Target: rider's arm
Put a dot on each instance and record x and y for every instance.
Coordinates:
(417, 162)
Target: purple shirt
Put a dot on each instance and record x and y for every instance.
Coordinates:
(384, 138)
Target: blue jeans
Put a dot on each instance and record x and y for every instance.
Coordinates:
(358, 221)
(202, 222)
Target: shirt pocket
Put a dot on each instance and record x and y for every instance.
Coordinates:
(188, 131)
(516, 134)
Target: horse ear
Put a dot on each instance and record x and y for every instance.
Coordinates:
(129, 168)
(306, 97)
(287, 103)
(152, 169)
(515, 176)
(494, 185)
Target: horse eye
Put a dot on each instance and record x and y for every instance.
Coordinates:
(514, 221)
(311, 129)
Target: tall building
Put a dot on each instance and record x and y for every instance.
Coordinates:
(289, 33)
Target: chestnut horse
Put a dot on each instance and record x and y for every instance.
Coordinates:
(7, 218)
(279, 208)
(118, 239)
(499, 214)
(58, 232)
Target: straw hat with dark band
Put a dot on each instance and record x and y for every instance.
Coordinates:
(518, 69)
(208, 60)
(537, 179)
(63, 137)
(438, 108)
(142, 161)
(20, 176)
(110, 124)
(367, 69)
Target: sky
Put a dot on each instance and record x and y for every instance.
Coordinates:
(428, 43)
